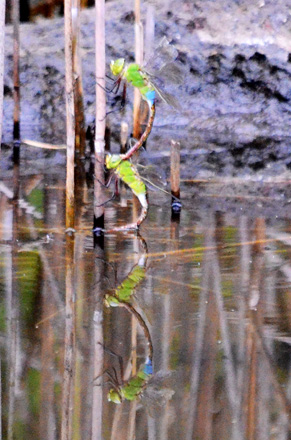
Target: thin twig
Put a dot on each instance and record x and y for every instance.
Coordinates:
(43, 145)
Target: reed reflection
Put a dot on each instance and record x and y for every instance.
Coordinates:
(209, 302)
(136, 382)
(240, 350)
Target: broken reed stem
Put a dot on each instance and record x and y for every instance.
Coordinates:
(175, 175)
(16, 91)
(2, 45)
(99, 143)
(80, 135)
(70, 112)
(138, 29)
(123, 136)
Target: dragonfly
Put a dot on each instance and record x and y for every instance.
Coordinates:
(133, 388)
(162, 63)
(149, 387)
(127, 172)
(144, 384)
(123, 296)
(125, 291)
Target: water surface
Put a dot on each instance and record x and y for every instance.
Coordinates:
(213, 292)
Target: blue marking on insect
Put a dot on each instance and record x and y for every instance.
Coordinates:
(148, 368)
(151, 96)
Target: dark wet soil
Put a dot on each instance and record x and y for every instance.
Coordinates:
(236, 112)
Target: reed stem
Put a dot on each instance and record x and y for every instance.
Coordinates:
(80, 135)
(138, 29)
(16, 88)
(99, 143)
(175, 175)
(70, 111)
(2, 45)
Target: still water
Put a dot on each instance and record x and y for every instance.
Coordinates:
(206, 296)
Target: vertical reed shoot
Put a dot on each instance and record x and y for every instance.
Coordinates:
(123, 136)
(175, 175)
(70, 113)
(80, 134)
(99, 143)
(16, 88)
(138, 29)
(2, 46)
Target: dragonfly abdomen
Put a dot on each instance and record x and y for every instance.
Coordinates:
(127, 173)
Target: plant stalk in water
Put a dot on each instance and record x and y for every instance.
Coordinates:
(99, 143)
(2, 43)
(70, 117)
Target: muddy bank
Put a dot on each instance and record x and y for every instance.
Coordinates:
(235, 97)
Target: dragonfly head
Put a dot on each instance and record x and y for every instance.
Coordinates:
(111, 301)
(117, 66)
(114, 396)
(112, 161)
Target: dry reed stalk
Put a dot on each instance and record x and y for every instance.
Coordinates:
(175, 176)
(123, 136)
(16, 88)
(99, 143)
(138, 29)
(43, 145)
(2, 45)
(175, 168)
(70, 111)
(80, 134)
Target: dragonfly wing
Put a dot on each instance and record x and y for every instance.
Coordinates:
(164, 54)
(152, 175)
(172, 72)
(155, 399)
(174, 75)
(167, 97)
